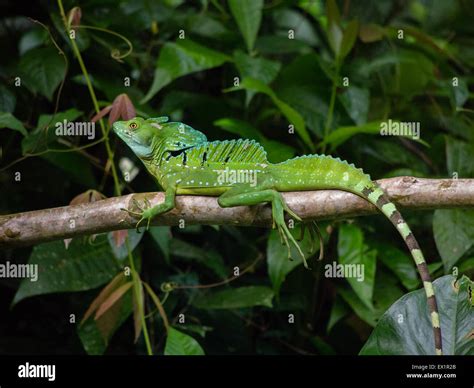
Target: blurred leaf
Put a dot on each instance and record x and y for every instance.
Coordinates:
(466, 265)
(334, 31)
(369, 33)
(208, 258)
(42, 70)
(247, 15)
(279, 266)
(348, 39)
(75, 166)
(116, 282)
(113, 298)
(367, 314)
(198, 329)
(276, 151)
(31, 39)
(7, 120)
(305, 86)
(356, 101)
(119, 247)
(96, 334)
(262, 69)
(332, 12)
(460, 93)
(162, 236)
(453, 233)
(7, 100)
(399, 262)
(354, 253)
(338, 311)
(182, 58)
(292, 116)
(405, 329)
(289, 19)
(180, 344)
(235, 298)
(271, 44)
(81, 267)
(45, 132)
(459, 157)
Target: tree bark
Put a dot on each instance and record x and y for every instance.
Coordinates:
(106, 215)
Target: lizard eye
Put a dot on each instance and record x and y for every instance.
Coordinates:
(133, 126)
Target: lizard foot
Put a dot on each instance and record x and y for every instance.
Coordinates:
(144, 213)
(313, 231)
(287, 238)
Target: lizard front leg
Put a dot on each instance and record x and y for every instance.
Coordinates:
(244, 195)
(148, 212)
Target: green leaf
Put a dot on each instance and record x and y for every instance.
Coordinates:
(208, 258)
(239, 127)
(7, 100)
(332, 12)
(276, 151)
(338, 311)
(459, 157)
(7, 120)
(342, 134)
(182, 58)
(292, 115)
(460, 93)
(80, 267)
(45, 132)
(121, 252)
(399, 262)
(262, 69)
(348, 39)
(95, 334)
(356, 102)
(367, 314)
(454, 234)
(42, 70)
(247, 15)
(405, 329)
(279, 266)
(180, 344)
(334, 30)
(287, 19)
(235, 298)
(353, 253)
(271, 44)
(31, 39)
(75, 166)
(162, 236)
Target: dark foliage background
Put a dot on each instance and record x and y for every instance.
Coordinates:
(333, 74)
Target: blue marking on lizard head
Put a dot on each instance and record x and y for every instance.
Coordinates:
(142, 135)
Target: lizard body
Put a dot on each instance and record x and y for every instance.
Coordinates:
(184, 162)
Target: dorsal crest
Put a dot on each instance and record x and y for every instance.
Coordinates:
(229, 151)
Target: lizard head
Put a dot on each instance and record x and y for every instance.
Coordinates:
(143, 135)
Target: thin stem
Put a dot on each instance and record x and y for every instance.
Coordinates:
(138, 295)
(110, 158)
(78, 55)
(159, 306)
(332, 103)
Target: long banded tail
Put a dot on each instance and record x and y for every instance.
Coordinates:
(376, 196)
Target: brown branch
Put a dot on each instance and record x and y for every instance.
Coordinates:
(102, 216)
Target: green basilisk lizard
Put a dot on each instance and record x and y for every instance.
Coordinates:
(183, 162)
